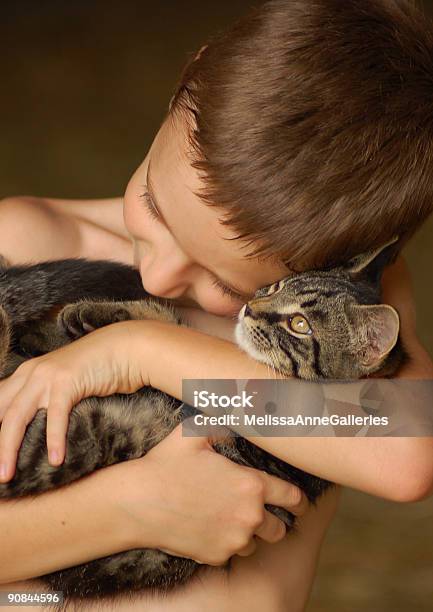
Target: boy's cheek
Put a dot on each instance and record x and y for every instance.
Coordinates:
(214, 303)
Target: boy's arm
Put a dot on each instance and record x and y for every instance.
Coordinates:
(62, 528)
(39, 229)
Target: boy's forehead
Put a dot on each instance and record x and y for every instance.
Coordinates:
(177, 185)
(195, 225)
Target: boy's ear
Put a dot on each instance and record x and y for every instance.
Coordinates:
(378, 327)
(372, 263)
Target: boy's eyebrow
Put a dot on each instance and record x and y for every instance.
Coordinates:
(242, 294)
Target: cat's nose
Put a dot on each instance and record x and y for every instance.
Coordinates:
(248, 312)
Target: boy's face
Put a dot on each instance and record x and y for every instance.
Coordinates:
(180, 247)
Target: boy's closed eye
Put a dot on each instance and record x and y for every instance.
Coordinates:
(228, 291)
(149, 205)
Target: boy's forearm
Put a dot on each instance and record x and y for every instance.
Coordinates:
(394, 468)
(61, 528)
(221, 327)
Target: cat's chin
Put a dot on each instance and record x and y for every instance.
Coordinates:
(246, 344)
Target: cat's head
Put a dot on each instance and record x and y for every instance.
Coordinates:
(323, 324)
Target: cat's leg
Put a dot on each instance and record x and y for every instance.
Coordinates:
(76, 320)
(30, 292)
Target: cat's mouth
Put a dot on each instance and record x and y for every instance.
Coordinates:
(247, 337)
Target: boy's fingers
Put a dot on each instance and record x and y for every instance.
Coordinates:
(57, 427)
(12, 433)
(8, 391)
(284, 494)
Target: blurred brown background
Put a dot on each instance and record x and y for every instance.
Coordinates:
(84, 87)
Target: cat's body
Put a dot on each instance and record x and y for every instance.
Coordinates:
(103, 431)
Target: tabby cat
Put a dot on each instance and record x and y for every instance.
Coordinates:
(322, 324)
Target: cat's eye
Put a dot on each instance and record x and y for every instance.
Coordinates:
(299, 324)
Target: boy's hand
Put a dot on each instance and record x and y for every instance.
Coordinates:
(97, 365)
(203, 506)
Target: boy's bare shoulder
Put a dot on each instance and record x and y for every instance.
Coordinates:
(36, 229)
(106, 213)
(31, 231)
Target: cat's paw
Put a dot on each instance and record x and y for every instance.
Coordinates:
(77, 320)
(38, 338)
(32, 345)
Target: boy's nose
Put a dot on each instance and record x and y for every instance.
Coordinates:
(163, 281)
(158, 291)
(163, 287)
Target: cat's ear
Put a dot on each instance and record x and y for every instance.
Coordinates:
(378, 328)
(372, 263)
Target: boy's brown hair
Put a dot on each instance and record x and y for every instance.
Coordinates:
(313, 126)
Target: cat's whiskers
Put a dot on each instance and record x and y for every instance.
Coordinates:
(269, 369)
(275, 361)
(270, 364)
